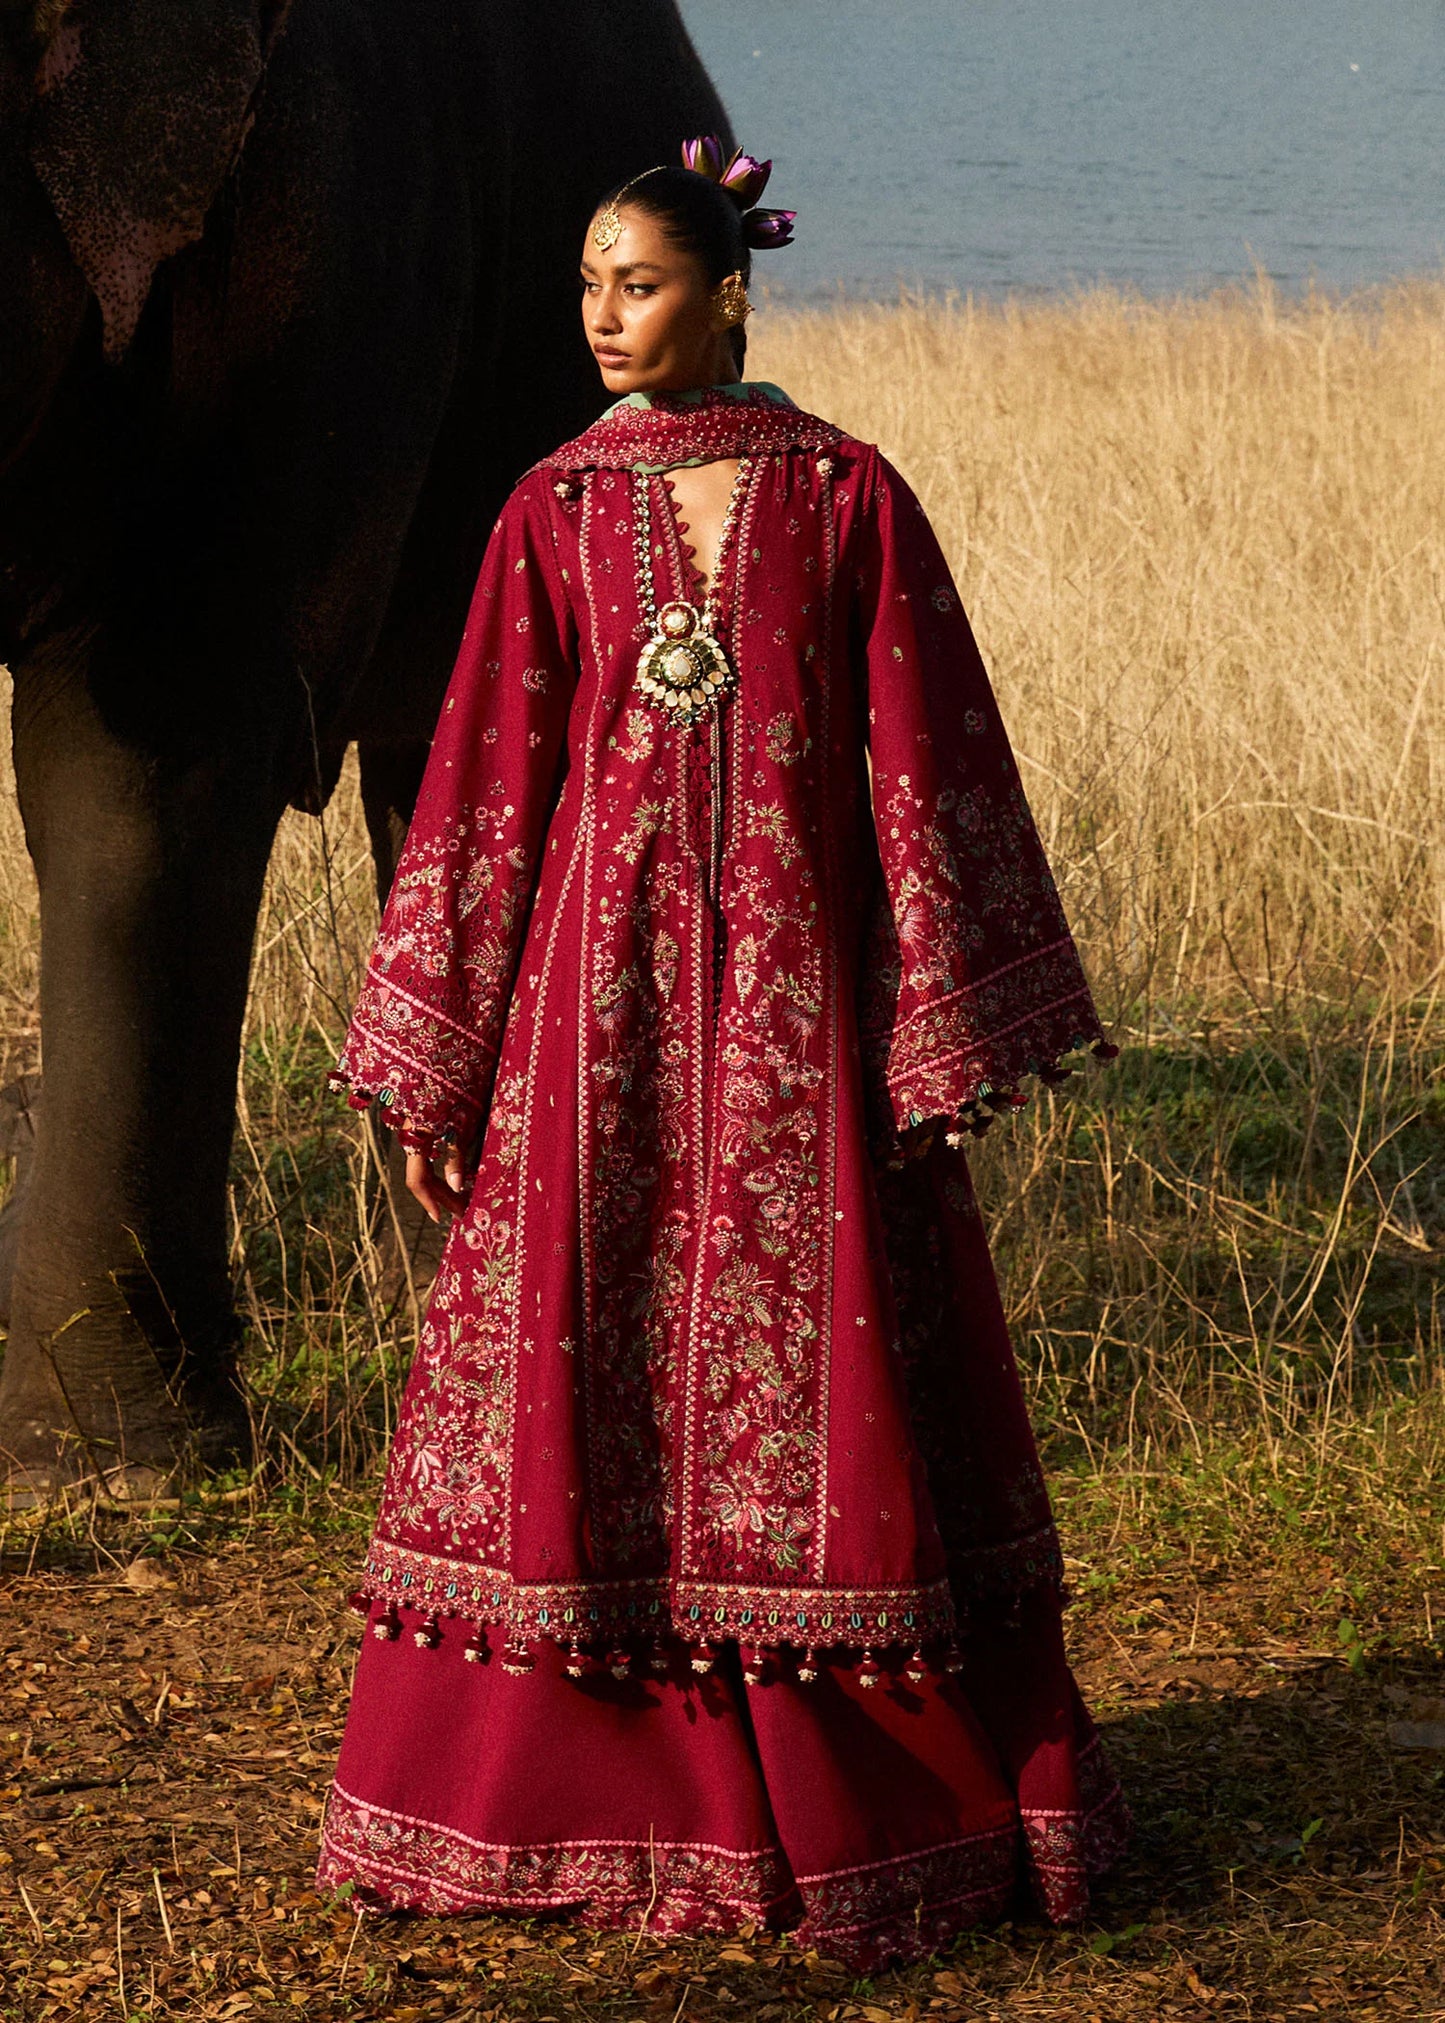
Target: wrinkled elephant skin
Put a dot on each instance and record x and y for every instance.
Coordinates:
(287, 300)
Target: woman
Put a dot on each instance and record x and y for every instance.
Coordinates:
(714, 1576)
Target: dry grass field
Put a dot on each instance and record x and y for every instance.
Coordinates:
(1204, 549)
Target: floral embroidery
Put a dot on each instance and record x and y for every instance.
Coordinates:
(771, 821)
(785, 744)
(693, 431)
(637, 1237)
(648, 820)
(759, 1432)
(641, 739)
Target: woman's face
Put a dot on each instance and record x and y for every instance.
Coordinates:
(649, 314)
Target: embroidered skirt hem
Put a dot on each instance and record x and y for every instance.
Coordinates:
(875, 1824)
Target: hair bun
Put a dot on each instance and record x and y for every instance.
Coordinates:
(743, 178)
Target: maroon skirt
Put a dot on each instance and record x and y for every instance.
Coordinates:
(879, 1820)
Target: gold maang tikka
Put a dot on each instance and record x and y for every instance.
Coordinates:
(607, 225)
(731, 301)
(607, 228)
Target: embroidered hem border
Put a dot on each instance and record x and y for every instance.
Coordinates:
(658, 1607)
(903, 1908)
(1013, 1567)
(945, 1056)
(1065, 1850)
(414, 1864)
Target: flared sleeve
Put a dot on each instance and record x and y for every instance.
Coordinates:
(975, 979)
(427, 1025)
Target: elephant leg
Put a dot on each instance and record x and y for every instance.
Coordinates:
(122, 1348)
(409, 1243)
(19, 1106)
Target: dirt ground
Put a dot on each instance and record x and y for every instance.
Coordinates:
(168, 1723)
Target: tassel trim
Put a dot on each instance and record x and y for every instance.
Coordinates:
(699, 1613)
(413, 1136)
(870, 1664)
(993, 1100)
(602, 1616)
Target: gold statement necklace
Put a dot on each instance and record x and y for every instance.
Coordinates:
(683, 670)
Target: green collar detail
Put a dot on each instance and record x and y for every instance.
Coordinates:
(742, 390)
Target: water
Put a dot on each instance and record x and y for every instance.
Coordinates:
(1000, 145)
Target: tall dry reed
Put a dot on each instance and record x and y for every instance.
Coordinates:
(1203, 545)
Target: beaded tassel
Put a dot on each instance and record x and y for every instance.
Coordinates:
(869, 1670)
(475, 1647)
(953, 1657)
(619, 1664)
(387, 1625)
(661, 1659)
(576, 1665)
(704, 1657)
(1013, 1614)
(808, 1667)
(360, 1601)
(517, 1659)
(753, 1666)
(917, 1667)
(427, 1634)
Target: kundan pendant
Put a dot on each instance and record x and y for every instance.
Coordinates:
(683, 670)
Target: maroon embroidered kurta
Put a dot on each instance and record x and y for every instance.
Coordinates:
(715, 1356)
(692, 985)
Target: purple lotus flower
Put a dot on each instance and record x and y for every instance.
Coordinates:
(704, 156)
(745, 179)
(767, 229)
(743, 176)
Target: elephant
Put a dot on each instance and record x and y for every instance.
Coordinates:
(288, 300)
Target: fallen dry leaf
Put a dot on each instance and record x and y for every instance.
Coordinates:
(1416, 1734)
(145, 1573)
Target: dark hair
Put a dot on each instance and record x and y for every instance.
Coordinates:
(697, 215)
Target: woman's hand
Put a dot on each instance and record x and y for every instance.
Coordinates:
(444, 1194)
